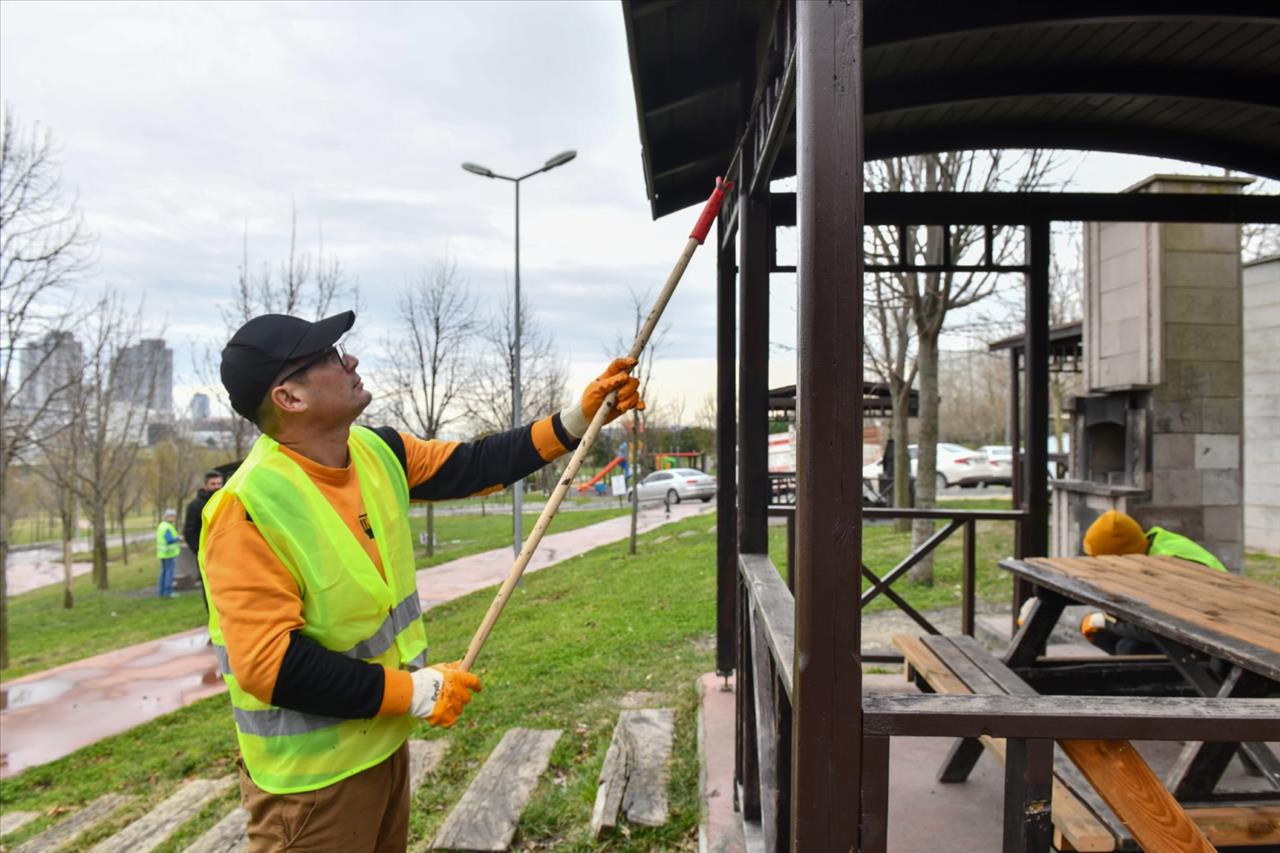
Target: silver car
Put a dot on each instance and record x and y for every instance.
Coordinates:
(677, 484)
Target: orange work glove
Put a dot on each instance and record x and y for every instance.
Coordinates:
(616, 377)
(440, 693)
(1092, 623)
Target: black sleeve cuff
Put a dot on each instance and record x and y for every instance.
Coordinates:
(315, 680)
(562, 435)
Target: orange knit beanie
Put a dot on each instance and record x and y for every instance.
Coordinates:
(1114, 533)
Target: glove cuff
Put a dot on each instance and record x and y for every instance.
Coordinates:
(574, 421)
(428, 684)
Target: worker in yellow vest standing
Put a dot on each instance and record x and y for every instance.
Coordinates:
(307, 560)
(1116, 533)
(167, 550)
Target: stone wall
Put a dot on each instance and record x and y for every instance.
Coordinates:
(1262, 405)
(1163, 329)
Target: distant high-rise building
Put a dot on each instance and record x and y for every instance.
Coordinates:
(198, 408)
(49, 367)
(145, 375)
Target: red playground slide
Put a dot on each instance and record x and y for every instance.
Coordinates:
(615, 462)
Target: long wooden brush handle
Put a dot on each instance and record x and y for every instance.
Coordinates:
(593, 429)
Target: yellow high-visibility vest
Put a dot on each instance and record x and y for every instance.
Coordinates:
(348, 608)
(164, 549)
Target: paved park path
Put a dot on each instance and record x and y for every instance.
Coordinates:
(50, 714)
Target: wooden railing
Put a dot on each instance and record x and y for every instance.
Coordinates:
(964, 520)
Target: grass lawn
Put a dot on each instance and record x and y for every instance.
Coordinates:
(574, 641)
(43, 635)
(461, 535)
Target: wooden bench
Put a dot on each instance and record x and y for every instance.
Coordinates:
(1105, 796)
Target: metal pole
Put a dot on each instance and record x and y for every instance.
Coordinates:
(517, 504)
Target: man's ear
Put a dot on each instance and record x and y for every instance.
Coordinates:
(286, 401)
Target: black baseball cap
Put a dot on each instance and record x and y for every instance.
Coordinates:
(260, 349)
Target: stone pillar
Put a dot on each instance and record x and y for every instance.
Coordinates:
(1163, 327)
(1262, 405)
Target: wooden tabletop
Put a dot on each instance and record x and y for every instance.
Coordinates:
(1225, 615)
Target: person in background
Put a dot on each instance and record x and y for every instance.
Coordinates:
(1114, 533)
(167, 550)
(191, 522)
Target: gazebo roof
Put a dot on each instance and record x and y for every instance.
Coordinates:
(1191, 80)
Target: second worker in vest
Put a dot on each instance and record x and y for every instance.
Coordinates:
(1114, 533)
(308, 561)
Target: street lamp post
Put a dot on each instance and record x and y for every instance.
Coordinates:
(560, 159)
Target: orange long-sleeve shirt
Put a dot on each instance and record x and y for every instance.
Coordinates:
(259, 604)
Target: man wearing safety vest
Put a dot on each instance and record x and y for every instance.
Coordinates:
(1114, 532)
(308, 562)
(167, 550)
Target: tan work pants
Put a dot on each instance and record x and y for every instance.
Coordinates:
(364, 813)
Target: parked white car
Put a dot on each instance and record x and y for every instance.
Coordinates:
(675, 485)
(957, 466)
(1000, 461)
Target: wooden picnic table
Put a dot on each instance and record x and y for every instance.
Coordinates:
(1194, 614)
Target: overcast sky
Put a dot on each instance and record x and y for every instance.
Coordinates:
(181, 125)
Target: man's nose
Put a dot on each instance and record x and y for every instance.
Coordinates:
(350, 363)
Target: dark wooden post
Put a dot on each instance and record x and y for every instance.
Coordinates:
(1035, 535)
(726, 454)
(826, 786)
(1028, 787)
(753, 363)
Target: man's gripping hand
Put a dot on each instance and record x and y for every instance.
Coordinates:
(616, 377)
(440, 693)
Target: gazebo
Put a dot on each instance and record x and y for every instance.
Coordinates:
(776, 88)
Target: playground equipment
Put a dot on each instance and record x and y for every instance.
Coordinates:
(600, 475)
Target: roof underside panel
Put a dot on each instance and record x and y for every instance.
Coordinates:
(1195, 81)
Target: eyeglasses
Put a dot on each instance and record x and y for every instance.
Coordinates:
(334, 353)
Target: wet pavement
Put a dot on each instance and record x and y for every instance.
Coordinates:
(36, 567)
(47, 715)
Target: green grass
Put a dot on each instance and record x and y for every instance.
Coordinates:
(26, 530)
(883, 548)
(574, 640)
(462, 535)
(43, 635)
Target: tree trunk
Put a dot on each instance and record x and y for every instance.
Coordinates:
(431, 529)
(635, 477)
(68, 537)
(898, 428)
(926, 454)
(4, 591)
(124, 540)
(100, 546)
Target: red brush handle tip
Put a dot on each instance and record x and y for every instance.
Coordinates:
(710, 210)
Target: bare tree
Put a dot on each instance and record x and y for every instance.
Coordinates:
(931, 296)
(428, 357)
(113, 416)
(301, 285)
(44, 246)
(543, 376)
(643, 371)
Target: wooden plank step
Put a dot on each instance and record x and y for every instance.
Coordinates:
(633, 779)
(231, 834)
(65, 831)
(11, 822)
(424, 758)
(485, 818)
(154, 828)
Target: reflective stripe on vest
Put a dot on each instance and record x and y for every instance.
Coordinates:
(1164, 543)
(166, 550)
(348, 607)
